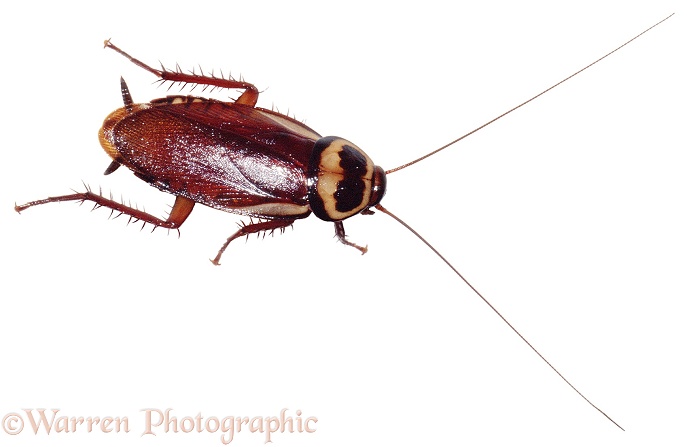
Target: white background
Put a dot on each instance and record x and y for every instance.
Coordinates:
(569, 215)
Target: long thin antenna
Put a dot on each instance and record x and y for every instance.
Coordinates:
(385, 211)
(526, 102)
(431, 247)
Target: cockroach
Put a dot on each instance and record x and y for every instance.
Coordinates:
(243, 159)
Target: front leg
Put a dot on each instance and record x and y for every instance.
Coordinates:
(341, 234)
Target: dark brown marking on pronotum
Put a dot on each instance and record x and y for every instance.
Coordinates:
(351, 188)
(235, 157)
(343, 180)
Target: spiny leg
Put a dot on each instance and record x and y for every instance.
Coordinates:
(341, 234)
(180, 211)
(245, 230)
(249, 97)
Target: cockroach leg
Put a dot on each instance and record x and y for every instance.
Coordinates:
(180, 211)
(341, 234)
(245, 230)
(249, 97)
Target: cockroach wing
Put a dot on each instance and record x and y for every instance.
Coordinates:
(227, 156)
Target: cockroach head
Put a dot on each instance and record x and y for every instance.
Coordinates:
(343, 180)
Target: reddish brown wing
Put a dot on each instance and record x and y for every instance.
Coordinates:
(224, 155)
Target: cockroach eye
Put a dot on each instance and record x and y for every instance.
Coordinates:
(343, 180)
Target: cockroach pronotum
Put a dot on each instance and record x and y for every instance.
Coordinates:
(239, 158)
